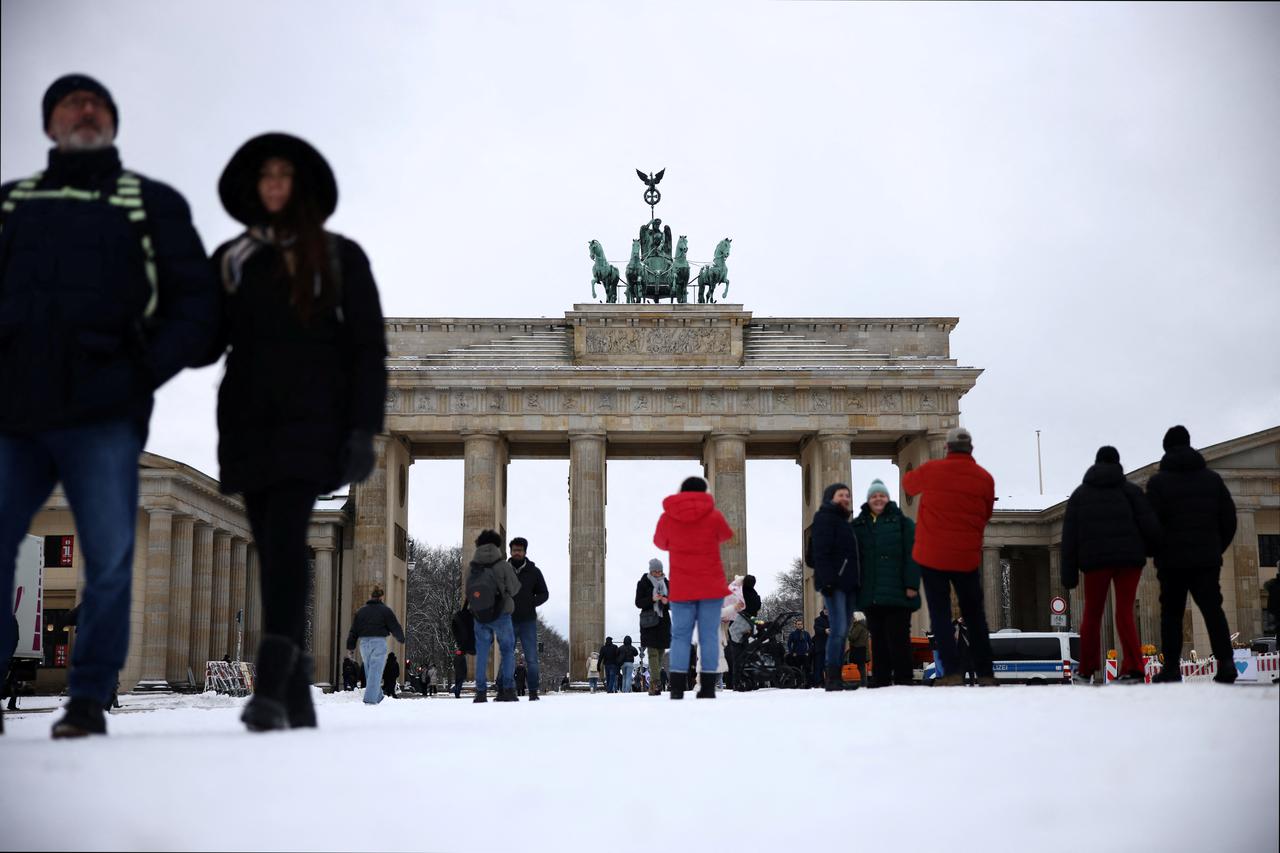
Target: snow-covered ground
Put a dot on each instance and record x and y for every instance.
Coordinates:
(1173, 767)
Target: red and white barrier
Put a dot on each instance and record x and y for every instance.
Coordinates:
(1262, 668)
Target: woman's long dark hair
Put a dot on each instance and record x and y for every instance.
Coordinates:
(301, 219)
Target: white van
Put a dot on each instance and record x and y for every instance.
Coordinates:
(28, 608)
(1035, 657)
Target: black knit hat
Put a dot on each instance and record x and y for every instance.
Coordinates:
(1177, 436)
(238, 186)
(1107, 453)
(69, 83)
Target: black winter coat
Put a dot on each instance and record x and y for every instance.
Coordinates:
(1195, 509)
(659, 636)
(627, 653)
(609, 655)
(750, 597)
(294, 392)
(834, 550)
(463, 627)
(1109, 524)
(533, 592)
(73, 289)
(375, 619)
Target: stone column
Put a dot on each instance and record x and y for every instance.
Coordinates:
(178, 647)
(220, 604)
(322, 639)
(1149, 606)
(201, 598)
(992, 588)
(155, 636)
(825, 458)
(586, 548)
(372, 533)
(484, 480)
(725, 462)
(1247, 618)
(235, 629)
(1055, 580)
(253, 603)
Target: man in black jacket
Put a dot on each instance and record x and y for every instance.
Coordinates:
(524, 619)
(609, 660)
(371, 625)
(1198, 519)
(105, 294)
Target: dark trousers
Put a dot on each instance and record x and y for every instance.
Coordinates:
(1207, 594)
(968, 587)
(279, 516)
(610, 677)
(890, 629)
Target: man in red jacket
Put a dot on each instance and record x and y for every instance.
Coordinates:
(956, 499)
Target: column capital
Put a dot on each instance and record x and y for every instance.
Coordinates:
(579, 434)
(727, 434)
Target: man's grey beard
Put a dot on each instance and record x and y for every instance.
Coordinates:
(77, 140)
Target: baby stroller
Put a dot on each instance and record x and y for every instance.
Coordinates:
(760, 660)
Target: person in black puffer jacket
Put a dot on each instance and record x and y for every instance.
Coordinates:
(302, 395)
(1107, 532)
(833, 552)
(1198, 518)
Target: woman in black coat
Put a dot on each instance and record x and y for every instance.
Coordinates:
(302, 396)
(1108, 530)
(655, 629)
(833, 554)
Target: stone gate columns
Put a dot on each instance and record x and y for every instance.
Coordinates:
(1247, 618)
(155, 634)
(992, 588)
(725, 464)
(322, 635)
(825, 458)
(484, 489)
(178, 647)
(252, 604)
(201, 598)
(235, 629)
(220, 598)
(586, 548)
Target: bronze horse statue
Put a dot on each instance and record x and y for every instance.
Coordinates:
(602, 272)
(716, 273)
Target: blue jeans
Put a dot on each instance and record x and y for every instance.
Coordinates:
(838, 612)
(373, 651)
(705, 613)
(485, 632)
(527, 635)
(610, 677)
(98, 468)
(628, 672)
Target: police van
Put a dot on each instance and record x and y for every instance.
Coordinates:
(1034, 657)
(28, 610)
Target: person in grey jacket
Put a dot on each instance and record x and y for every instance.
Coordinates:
(489, 569)
(371, 625)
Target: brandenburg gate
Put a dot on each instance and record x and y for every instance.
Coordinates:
(709, 382)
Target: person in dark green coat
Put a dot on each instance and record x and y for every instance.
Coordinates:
(890, 584)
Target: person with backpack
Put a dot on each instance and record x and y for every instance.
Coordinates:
(821, 632)
(1198, 518)
(627, 655)
(1108, 530)
(833, 555)
(491, 587)
(655, 619)
(593, 671)
(302, 394)
(372, 624)
(691, 529)
(524, 619)
(609, 660)
(890, 585)
(859, 639)
(105, 295)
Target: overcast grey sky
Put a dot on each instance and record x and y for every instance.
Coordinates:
(1092, 189)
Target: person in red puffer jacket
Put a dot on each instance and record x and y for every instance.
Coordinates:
(957, 497)
(691, 529)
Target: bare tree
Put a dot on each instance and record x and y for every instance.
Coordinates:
(434, 595)
(553, 659)
(789, 595)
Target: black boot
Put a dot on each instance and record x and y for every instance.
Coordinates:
(507, 694)
(706, 685)
(83, 717)
(480, 697)
(835, 678)
(533, 695)
(297, 695)
(266, 711)
(677, 685)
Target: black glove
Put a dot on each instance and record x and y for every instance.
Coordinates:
(358, 457)
(827, 591)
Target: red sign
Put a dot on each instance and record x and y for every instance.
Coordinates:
(66, 550)
(60, 654)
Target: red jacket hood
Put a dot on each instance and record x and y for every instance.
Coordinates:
(689, 507)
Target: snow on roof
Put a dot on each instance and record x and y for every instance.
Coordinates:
(330, 503)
